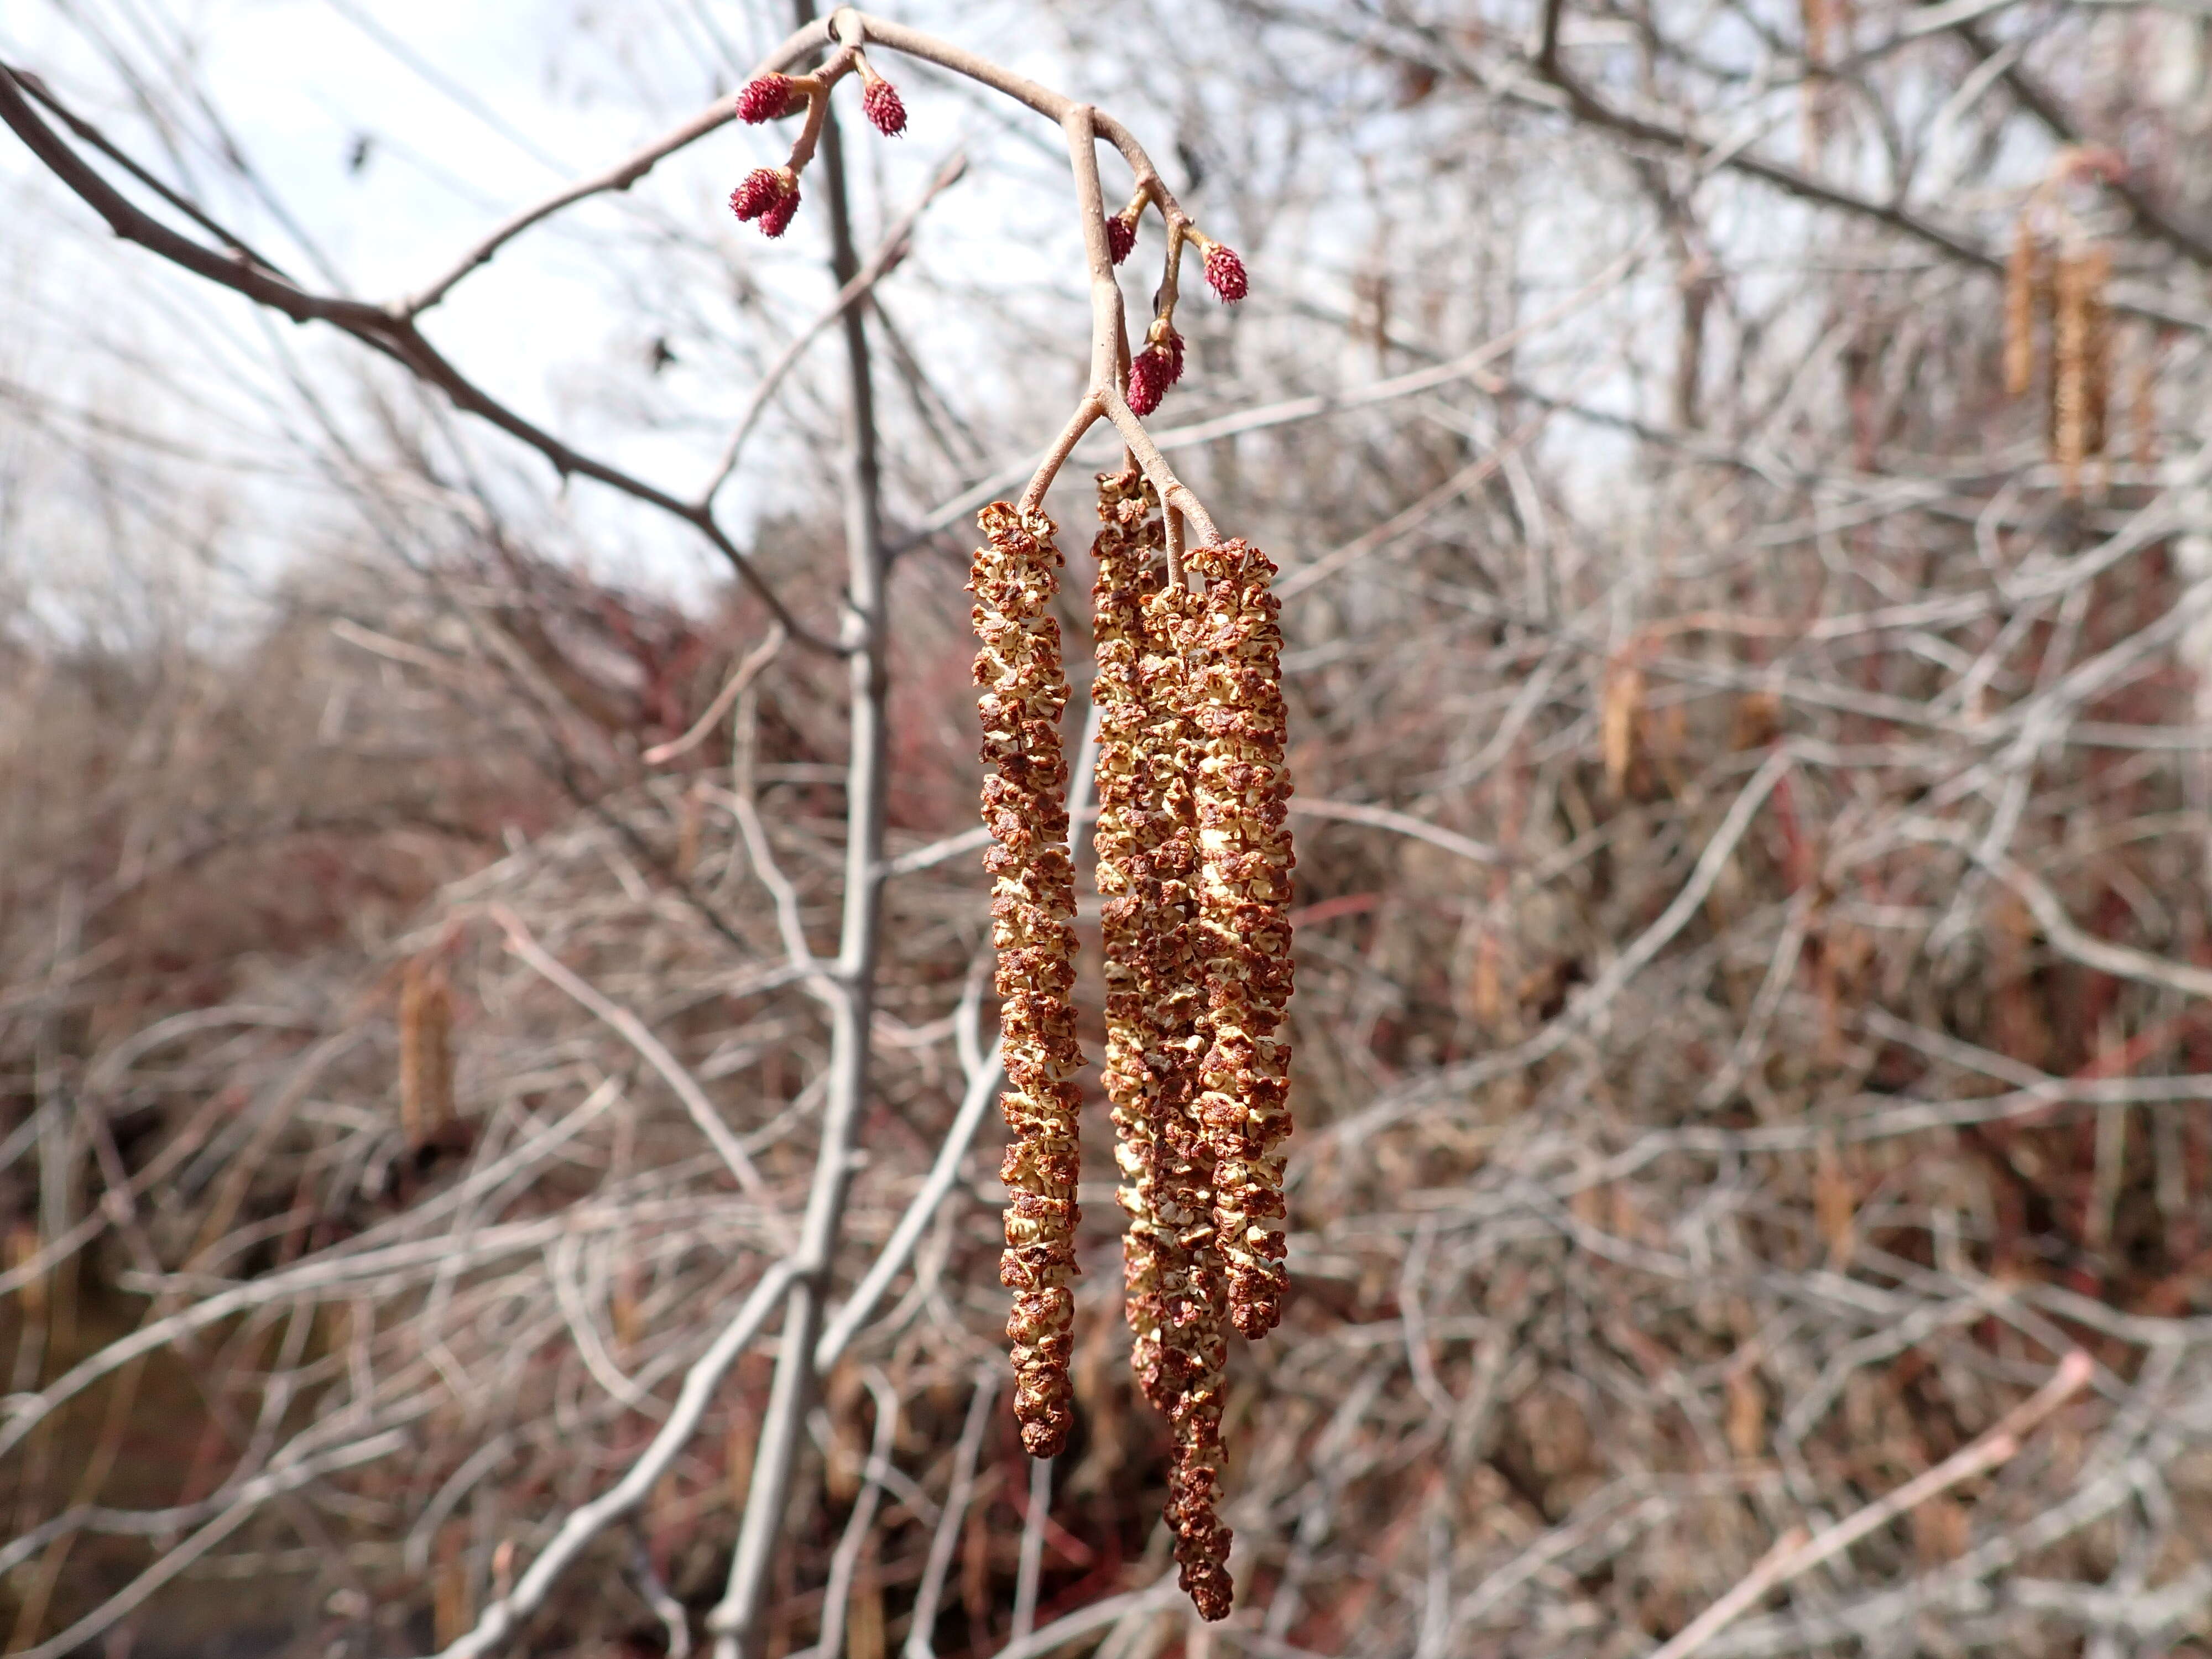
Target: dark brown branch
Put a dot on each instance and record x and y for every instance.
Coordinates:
(88, 134)
(394, 334)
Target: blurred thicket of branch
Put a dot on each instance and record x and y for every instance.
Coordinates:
(1755, 883)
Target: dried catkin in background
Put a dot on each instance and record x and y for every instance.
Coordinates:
(2025, 277)
(1023, 689)
(1176, 1292)
(426, 1053)
(2070, 369)
(2096, 349)
(1231, 652)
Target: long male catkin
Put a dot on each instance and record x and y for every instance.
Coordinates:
(1132, 921)
(1175, 1293)
(1022, 691)
(2096, 349)
(1231, 651)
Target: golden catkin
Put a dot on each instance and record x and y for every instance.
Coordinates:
(426, 1053)
(1231, 650)
(2022, 270)
(2096, 349)
(2070, 369)
(1022, 691)
(1176, 1291)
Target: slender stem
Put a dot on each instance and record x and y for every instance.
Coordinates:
(619, 176)
(816, 86)
(1030, 1567)
(655, 1054)
(922, 1634)
(739, 1621)
(885, 259)
(846, 1562)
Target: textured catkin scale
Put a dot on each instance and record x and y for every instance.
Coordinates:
(1192, 1341)
(1155, 368)
(1021, 691)
(1231, 651)
(1224, 274)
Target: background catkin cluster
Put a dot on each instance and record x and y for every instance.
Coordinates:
(1175, 1289)
(1023, 689)
(2061, 288)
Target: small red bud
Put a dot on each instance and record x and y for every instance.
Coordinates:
(1151, 372)
(1121, 237)
(777, 219)
(769, 195)
(880, 102)
(1224, 271)
(765, 98)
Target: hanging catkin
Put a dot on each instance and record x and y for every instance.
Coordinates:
(1131, 921)
(2023, 276)
(1023, 688)
(426, 1053)
(2070, 369)
(1231, 651)
(1146, 842)
(2096, 349)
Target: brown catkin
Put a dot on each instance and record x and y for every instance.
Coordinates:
(1231, 652)
(426, 1053)
(2022, 272)
(2096, 349)
(1131, 923)
(1176, 1289)
(1022, 691)
(2071, 368)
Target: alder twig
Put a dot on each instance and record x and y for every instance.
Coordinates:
(920, 1635)
(505, 1614)
(1797, 1555)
